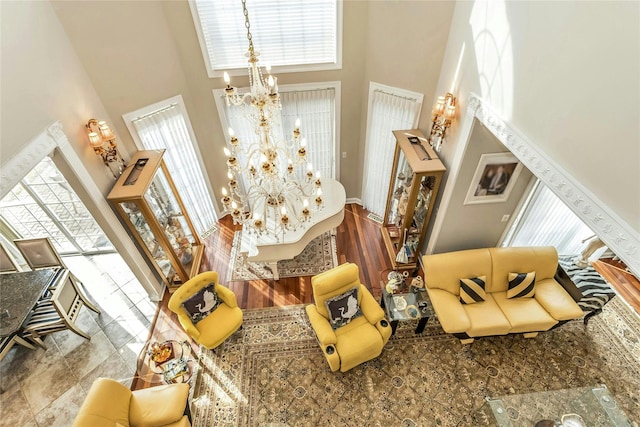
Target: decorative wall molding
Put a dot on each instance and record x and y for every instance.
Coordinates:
(14, 169)
(619, 236)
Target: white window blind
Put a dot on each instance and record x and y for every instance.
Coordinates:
(316, 110)
(389, 110)
(547, 221)
(166, 128)
(285, 32)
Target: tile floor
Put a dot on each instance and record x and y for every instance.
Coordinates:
(46, 388)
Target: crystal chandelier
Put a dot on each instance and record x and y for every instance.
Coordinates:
(279, 191)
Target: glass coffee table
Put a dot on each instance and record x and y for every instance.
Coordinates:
(168, 359)
(577, 407)
(402, 307)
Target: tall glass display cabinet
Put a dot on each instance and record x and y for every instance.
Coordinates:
(415, 180)
(148, 202)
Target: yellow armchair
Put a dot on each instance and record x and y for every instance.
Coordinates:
(351, 341)
(110, 403)
(209, 329)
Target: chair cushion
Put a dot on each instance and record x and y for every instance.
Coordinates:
(202, 303)
(472, 290)
(343, 308)
(217, 327)
(358, 345)
(106, 404)
(522, 285)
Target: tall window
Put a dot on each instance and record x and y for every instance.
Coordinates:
(166, 125)
(314, 105)
(546, 221)
(389, 109)
(43, 204)
(295, 35)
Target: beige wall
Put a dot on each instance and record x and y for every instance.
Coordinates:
(565, 74)
(149, 51)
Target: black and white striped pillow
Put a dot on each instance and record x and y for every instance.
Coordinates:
(472, 290)
(521, 285)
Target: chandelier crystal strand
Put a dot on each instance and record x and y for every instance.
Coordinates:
(282, 191)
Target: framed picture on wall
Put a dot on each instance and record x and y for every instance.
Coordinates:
(494, 178)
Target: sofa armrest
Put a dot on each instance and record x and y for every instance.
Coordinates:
(325, 333)
(450, 312)
(187, 324)
(326, 336)
(106, 404)
(370, 307)
(158, 406)
(227, 296)
(556, 300)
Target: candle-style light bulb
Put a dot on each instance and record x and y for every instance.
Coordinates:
(224, 191)
(227, 152)
(303, 142)
(271, 83)
(227, 79)
(231, 133)
(298, 123)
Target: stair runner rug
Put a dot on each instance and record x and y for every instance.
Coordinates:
(272, 373)
(318, 256)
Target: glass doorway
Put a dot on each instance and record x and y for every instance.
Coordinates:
(43, 204)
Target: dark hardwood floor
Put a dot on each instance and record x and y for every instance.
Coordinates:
(358, 240)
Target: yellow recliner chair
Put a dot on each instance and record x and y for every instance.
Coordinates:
(207, 311)
(110, 404)
(348, 322)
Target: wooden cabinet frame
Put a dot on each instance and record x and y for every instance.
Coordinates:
(161, 236)
(420, 163)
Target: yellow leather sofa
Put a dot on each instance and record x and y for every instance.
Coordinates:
(497, 314)
(362, 338)
(111, 404)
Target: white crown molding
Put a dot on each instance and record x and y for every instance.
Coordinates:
(619, 236)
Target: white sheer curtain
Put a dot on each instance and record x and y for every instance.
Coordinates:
(316, 110)
(547, 221)
(388, 112)
(167, 129)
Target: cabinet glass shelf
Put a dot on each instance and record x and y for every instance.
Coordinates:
(147, 200)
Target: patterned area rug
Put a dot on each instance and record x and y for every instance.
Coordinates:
(318, 256)
(272, 373)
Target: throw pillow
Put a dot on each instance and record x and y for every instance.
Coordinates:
(472, 290)
(343, 308)
(202, 303)
(521, 285)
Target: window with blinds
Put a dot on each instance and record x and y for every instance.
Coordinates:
(291, 35)
(318, 110)
(389, 109)
(546, 221)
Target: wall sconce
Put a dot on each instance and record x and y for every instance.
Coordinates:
(103, 141)
(444, 111)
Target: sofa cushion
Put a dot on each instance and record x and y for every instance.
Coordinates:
(358, 344)
(486, 319)
(543, 260)
(557, 301)
(522, 285)
(472, 290)
(451, 314)
(343, 308)
(443, 271)
(202, 303)
(524, 314)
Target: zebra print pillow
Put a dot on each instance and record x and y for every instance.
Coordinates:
(472, 290)
(521, 285)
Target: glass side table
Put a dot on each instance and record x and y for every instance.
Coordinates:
(168, 359)
(402, 307)
(577, 407)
